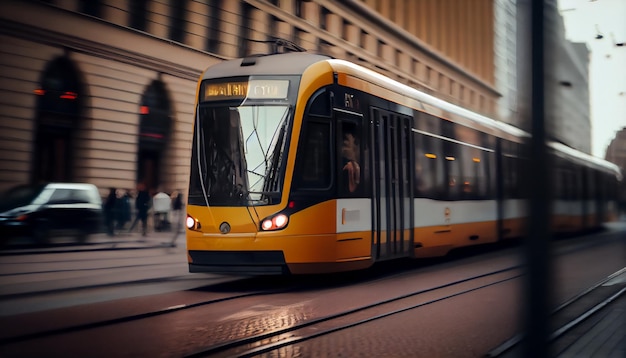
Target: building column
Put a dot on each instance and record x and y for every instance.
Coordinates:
(230, 23)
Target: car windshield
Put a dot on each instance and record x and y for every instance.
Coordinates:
(237, 157)
(19, 196)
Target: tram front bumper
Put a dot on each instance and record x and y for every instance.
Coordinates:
(238, 262)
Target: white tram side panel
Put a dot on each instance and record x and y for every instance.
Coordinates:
(353, 215)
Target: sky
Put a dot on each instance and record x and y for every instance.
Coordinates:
(584, 20)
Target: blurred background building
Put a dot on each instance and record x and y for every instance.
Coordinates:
(102, 91)
(616, 153)
(568, 112)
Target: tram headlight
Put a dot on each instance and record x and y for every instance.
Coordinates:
(192, 223)
(275, 222)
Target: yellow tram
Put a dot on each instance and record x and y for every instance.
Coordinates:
(306, 164)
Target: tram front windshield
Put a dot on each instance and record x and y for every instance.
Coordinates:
(238, 154)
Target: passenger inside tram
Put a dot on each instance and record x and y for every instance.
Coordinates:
(350, 153)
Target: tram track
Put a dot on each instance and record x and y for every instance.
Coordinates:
(273, 341)
(139, 316)
(282, 288)
(270, 341)
(282, 284)
(572, 313)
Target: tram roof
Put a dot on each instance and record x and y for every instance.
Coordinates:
(291, 63)
(428, 103)
(585, 159)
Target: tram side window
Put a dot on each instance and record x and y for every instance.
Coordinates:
(314, 168)
(578, 183)
(452, 166)
(350, 163)
(570, 183)
(471, 162)
(474, 173)
(591, 184)
(489, 165)
(490, 174)
(567, 178)
(426, 166)
(561, 181)
(510, 170)
(320, 103)
(557, 187)
(455, 179)
(565, 181)
(573, 183)
(431, 179)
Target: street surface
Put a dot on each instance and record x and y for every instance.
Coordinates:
(104, 269)
(126, 281)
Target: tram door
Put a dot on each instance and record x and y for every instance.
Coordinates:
(392, 196)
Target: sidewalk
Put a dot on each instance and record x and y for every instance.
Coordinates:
(135, 238)
(603, 335)
(122, 240)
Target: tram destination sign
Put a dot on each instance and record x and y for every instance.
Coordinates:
(254, 89)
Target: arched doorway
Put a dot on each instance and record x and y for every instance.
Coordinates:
(59, 107)
(154, 130)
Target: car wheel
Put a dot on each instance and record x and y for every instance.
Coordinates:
(82, 236)
(41, 233)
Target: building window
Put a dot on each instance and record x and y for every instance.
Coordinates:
(137, 14)
(155, 121)
(177, 21)
(91, 7)
(59, 106)
(213, 27)
(324, 18)
(298, 9)
(428, 78)
(155, 125)
(443, 83)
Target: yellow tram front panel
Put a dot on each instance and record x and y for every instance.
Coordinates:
(310, 236)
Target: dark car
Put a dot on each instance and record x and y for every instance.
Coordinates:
(47, 210)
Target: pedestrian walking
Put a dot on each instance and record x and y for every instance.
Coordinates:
(123, 212)
(142, 205)
(109, 212)
(161, 204)
(177, 208)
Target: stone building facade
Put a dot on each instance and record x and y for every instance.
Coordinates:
(102, 91)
